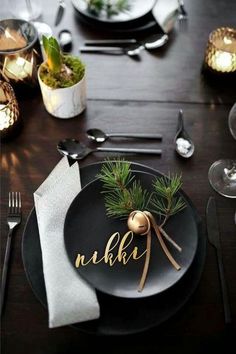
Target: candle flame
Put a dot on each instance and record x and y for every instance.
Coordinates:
(227, 40)
(223, 60)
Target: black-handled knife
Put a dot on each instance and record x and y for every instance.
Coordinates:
(60, 12)
(214, 239)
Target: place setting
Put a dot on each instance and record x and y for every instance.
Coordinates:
(151, 22)
(127, 16)
(109, 280)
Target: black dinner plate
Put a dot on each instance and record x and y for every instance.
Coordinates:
(118, 316)
(137, 10)
(87, 229)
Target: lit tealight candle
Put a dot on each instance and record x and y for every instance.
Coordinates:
(19, 55)
(5, 117)
(222, 61)
(18, 68)
(9, 111)
(221, 50)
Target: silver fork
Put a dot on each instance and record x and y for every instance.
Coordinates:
(183, 15)
(13, 220)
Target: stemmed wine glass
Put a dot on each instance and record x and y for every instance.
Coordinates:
(28, 10)
(222, 173)
(31, 10)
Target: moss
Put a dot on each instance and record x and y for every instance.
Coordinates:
(72, 72)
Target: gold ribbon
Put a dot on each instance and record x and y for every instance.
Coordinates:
(151, 223)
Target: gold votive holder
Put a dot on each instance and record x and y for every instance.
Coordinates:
(220, 55)
(19, 52)
(9, 111)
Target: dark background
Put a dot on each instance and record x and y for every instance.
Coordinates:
(127, 95)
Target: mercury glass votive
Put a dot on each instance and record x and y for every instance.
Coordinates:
(9, 111)
(220, 54)
(19, 52)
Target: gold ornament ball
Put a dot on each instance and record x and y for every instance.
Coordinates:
(138, 222)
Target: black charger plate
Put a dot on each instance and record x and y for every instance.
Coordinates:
(149, 26)
(87, 229)
(119, 316)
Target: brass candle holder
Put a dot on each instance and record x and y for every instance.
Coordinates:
(9, 112)
(220, 55)
(19, 52)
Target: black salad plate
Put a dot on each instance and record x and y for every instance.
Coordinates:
(119, 316)
(88, 229)
(136, 10)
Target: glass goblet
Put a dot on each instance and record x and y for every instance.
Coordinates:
(222, 177)
(28, 10)
(222, 173)
(232, 121)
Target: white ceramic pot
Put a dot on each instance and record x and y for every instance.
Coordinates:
(65, 102)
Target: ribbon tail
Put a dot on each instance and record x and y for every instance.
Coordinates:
(169, 239)
(146, 264)
(162, 243)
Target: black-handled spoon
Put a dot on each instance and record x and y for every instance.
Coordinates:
(99, 136)
(78, 151)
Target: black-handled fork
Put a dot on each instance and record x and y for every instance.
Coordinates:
(13, 220)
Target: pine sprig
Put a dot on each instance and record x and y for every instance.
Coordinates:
(95, 6)
(121, 194)
(164, 200)
(120, 203)
(110, 7)
(115, 174)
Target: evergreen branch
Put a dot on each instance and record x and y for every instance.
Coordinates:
(95, 6)
(139, 196)
(110, 7)
(121, 194)
(115, 174)
(164, 199)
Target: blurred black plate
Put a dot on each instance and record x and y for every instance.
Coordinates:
(118, 316)
(140, 26)
(149, 26)
(137, 10)
(88, 229)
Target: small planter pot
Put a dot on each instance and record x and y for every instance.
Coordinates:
(64, 102)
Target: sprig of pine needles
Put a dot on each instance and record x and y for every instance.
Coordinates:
(164, 200)
(123, 194)
(110, 7)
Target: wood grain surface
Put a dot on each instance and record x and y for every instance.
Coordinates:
(126, 95)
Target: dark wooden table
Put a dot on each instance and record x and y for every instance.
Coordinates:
(124, 95)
